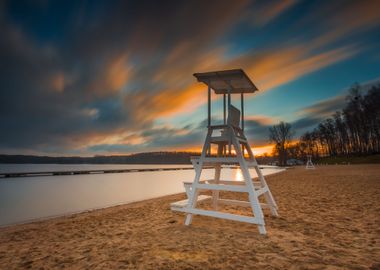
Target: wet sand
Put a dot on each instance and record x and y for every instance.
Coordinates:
(329, 219)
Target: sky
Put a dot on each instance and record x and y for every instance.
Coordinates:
(116, 77)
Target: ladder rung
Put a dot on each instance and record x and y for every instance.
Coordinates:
(184, 203)
(227, 182)
(219, 139)
(252, 164)
(233, 160)
(222, 187)
(256, 184)
(241, 203)
(220, 160)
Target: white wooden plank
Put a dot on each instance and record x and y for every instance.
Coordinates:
(222, 187)
(227, 182)
(184, 203)
(252, 164)
(241, 203)
(217, 214)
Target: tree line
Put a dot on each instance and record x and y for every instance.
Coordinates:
(354, 130)
(162, 157)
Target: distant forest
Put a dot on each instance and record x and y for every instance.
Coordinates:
(141, 158)
(354, 131)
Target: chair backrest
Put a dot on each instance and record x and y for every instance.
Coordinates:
(233, 116)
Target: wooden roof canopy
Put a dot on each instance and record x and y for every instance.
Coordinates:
(227, 82)
(221, 82)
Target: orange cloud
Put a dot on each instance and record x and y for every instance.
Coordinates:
(109, 137)
(58, 82)
(272, 69)
(262, 119)
(182, 62)
(118, 73)
(286, 72)
(268, 69)
(113, 77)
(147, 106)
(184, 94)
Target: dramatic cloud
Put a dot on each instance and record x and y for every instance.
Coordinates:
(279, 66)
(88, 77)
(311, 116)
(343, 19)
(315, 113)
(257, 129)
(325, 108)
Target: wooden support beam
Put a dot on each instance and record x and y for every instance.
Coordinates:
(242, 110)
(228, 108)
(224, 110)
(242, 119)
(261, 191)
(229, 102)
(209, 106)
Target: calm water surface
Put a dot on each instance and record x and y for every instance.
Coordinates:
(30, 198)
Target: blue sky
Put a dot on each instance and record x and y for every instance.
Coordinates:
(115, 77)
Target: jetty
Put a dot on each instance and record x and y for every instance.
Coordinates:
(80, 172)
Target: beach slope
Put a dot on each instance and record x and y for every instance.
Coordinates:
(329, 219)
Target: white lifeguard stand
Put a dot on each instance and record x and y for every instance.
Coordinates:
(225, 137)
(309, 163)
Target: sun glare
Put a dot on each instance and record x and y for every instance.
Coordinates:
(238, 176)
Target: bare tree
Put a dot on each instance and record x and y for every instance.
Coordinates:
(281, 134)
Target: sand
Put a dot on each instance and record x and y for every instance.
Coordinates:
(329, 219)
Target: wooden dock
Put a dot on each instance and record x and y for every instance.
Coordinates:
(81, 172)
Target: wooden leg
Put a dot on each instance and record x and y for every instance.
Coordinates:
(267, 195)
(262, 229)
(198, 171)
(218, 169)
(253, 198)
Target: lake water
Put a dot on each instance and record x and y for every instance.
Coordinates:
(29, 198)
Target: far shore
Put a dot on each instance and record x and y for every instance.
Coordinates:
(328, 220)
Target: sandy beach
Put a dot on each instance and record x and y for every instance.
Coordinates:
(329, 219)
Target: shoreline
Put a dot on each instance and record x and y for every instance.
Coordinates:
(96, 207)
(317, 228)
(70, 214)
